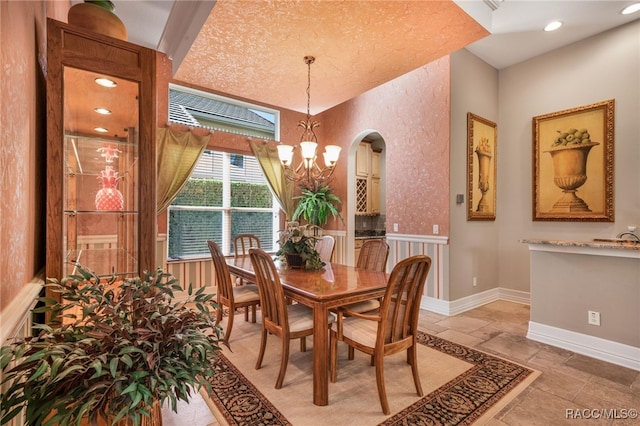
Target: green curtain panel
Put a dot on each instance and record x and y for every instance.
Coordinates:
(281, 187)
(178, 153)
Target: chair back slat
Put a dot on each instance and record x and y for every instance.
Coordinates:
(243, 242)
(223, 278)
(373, 255)
(272, 300)
(401, 303)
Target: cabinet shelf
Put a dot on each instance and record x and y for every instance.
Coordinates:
(88, 156)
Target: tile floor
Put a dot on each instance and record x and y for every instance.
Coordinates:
(572, 390)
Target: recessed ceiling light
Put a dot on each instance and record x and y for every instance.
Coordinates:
(632, 8)
(106, 82)
(102, 111)
(100, 129)
(552, 26)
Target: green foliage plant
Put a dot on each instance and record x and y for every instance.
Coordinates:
(115, 348)
(105, 4)
(316, 204)
(299, 240)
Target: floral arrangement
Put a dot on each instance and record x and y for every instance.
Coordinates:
(298, 241)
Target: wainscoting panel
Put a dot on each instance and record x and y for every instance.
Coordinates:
(403, 246)
(17, 321)
(200, 273)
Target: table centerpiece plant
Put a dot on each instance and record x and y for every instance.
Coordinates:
(297, 247)
(114, 351)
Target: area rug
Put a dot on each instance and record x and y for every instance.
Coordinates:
(462, 386)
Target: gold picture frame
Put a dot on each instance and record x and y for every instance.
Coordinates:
(482, 140)
(573, 164)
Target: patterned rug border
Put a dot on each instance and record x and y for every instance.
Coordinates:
(461, 401)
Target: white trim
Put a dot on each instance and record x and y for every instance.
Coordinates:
(14, 316)
(516, 296)
(432, 304)
(594, 347)
(430, 239)
(473, 301)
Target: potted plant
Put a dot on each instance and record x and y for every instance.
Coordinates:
(117, 352)
(316, 204)
(297, 247)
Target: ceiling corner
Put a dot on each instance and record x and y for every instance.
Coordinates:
(182, 27)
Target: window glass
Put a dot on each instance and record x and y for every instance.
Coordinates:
(227, 195)
(201, 109)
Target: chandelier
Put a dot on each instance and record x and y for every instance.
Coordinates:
(308, 172)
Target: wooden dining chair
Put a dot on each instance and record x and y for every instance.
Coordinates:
(373, 256)
(241, 245)
(390, 330)
(287, 321)
(324, 246)
(233, 297)
(243, 242)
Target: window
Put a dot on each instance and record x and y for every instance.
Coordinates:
(201, 109)
(226, 195)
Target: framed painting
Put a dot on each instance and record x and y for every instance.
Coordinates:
(573, 164)
(482, 138)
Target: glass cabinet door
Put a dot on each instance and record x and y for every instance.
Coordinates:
(100, 173)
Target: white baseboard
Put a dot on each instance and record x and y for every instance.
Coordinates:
(594, 347)
(473, 301)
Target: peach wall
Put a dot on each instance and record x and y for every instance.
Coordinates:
(23, 139)
(412, 115)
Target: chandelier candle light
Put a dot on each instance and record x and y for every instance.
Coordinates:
(308, 172)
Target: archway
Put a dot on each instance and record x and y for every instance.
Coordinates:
(376, 139)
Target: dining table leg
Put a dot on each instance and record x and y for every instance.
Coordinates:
(320, 354)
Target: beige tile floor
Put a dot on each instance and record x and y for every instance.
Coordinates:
(571, 385)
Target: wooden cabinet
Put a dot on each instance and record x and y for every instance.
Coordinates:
(101, 157)
(375, 163)
(368, 163)
(363, 160)
(375, 196)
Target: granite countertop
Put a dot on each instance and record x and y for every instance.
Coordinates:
(608, 243)
(370, 233)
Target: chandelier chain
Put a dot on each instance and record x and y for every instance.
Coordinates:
(309, 60)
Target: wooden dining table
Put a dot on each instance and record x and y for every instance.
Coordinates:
(330, 287)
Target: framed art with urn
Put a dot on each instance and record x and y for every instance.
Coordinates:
(482, 137)
(573, 164)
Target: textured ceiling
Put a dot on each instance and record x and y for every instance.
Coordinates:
(254, 49)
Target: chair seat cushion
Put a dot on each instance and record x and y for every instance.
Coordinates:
(246, 293)
(360, 330)
(301, 317)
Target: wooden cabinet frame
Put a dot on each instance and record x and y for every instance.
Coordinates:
(68, 46)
